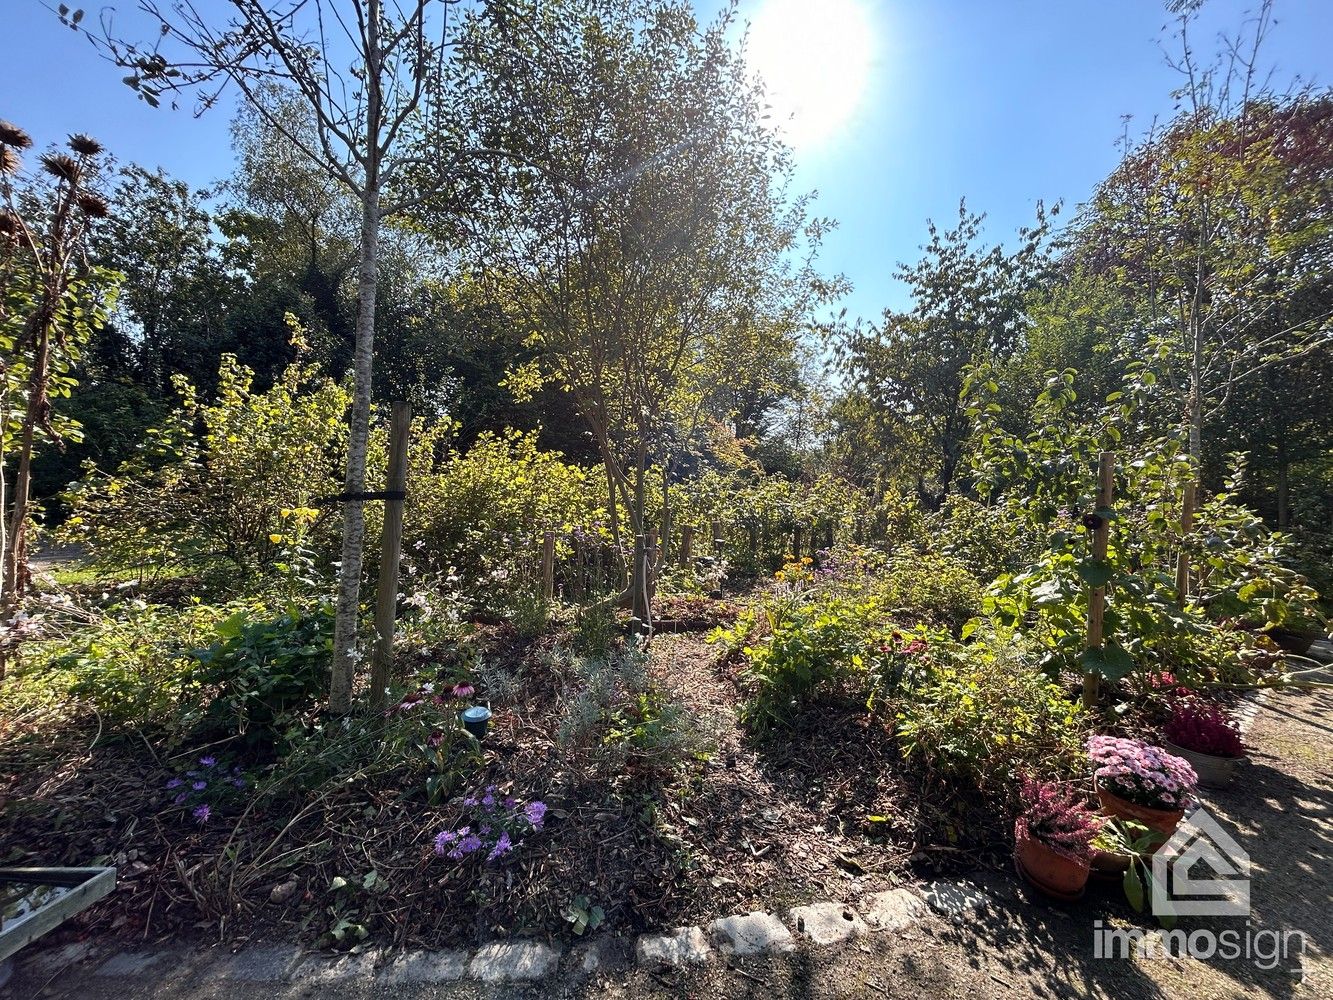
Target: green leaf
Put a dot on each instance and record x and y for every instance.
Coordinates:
(1095, 572)
(1133, 887)
(1109, 661)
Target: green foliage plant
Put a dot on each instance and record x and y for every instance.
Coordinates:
(210, 485)
(258, 675)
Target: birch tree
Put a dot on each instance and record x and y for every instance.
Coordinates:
(374, 125)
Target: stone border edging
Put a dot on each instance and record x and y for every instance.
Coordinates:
(757, 933)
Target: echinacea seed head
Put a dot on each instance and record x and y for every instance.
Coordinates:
(84, 145)
(63, 167)
(13, 136)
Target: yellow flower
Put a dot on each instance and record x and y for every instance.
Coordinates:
(780, 575)
(275, 539)
(806, 560)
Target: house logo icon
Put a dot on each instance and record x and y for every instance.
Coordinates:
(1179, 890)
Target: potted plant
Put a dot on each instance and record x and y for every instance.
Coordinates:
(1122, 852)
(1203, 734)
(1052, 839)
(1140, 782)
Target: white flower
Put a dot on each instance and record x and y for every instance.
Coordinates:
(428, 688)
(355, 655)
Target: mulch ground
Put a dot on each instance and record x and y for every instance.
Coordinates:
(821, 812)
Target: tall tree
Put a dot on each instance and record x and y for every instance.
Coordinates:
(1217, 227)
(369, 128)
(907, 374)
(644, 225)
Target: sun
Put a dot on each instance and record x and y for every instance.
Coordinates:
(815, 61)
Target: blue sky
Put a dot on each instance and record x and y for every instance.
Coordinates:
(1002, 101)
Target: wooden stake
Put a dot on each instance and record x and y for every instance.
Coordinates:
(1097, 599)
(391, 551)
(548, 565)
(686, 544)
(1182, 557)
(719, 543)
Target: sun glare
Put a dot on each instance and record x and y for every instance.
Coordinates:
(814, 60)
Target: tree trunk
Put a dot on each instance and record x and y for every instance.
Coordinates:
(348, 607)
(345, 651)
(1283, 509)
(15, 567)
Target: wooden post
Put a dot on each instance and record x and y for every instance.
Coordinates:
(548, 565)
(828, 534)
(719, 542)
(1182, 557)
(1097, 599)
(391, 551)
(796, 542)
(686, 544)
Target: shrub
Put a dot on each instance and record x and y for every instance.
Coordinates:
(210, 484)
(260, 673)
(813, 649)
(1141, 773)
(939, 588)
(482, 512)
(1053, 814)
(1204, 728)
(986, 716)
(132, 663)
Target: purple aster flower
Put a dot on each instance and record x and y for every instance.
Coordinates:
(442, 840)
(199, 786)
(175, 782)
(502, 846)
(238, 782)
(465, 846)
(180, 799)
(536, 813)
(488, 801)
(208, 761)
(201, 813)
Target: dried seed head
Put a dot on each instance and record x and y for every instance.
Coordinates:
(10, 224)
(12, 135)
(84, 145)
(94, 205)
(9, 161)
(66, 168)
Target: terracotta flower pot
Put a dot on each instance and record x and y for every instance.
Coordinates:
(1054, 874)
(1164, 821)
(1109, 866)
(1215, 772)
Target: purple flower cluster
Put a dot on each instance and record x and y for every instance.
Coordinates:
(497, 828)
(208, 780)
(1054, 815)
(1204, 728)
(1142, 773)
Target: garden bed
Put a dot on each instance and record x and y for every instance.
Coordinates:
(744, 823)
